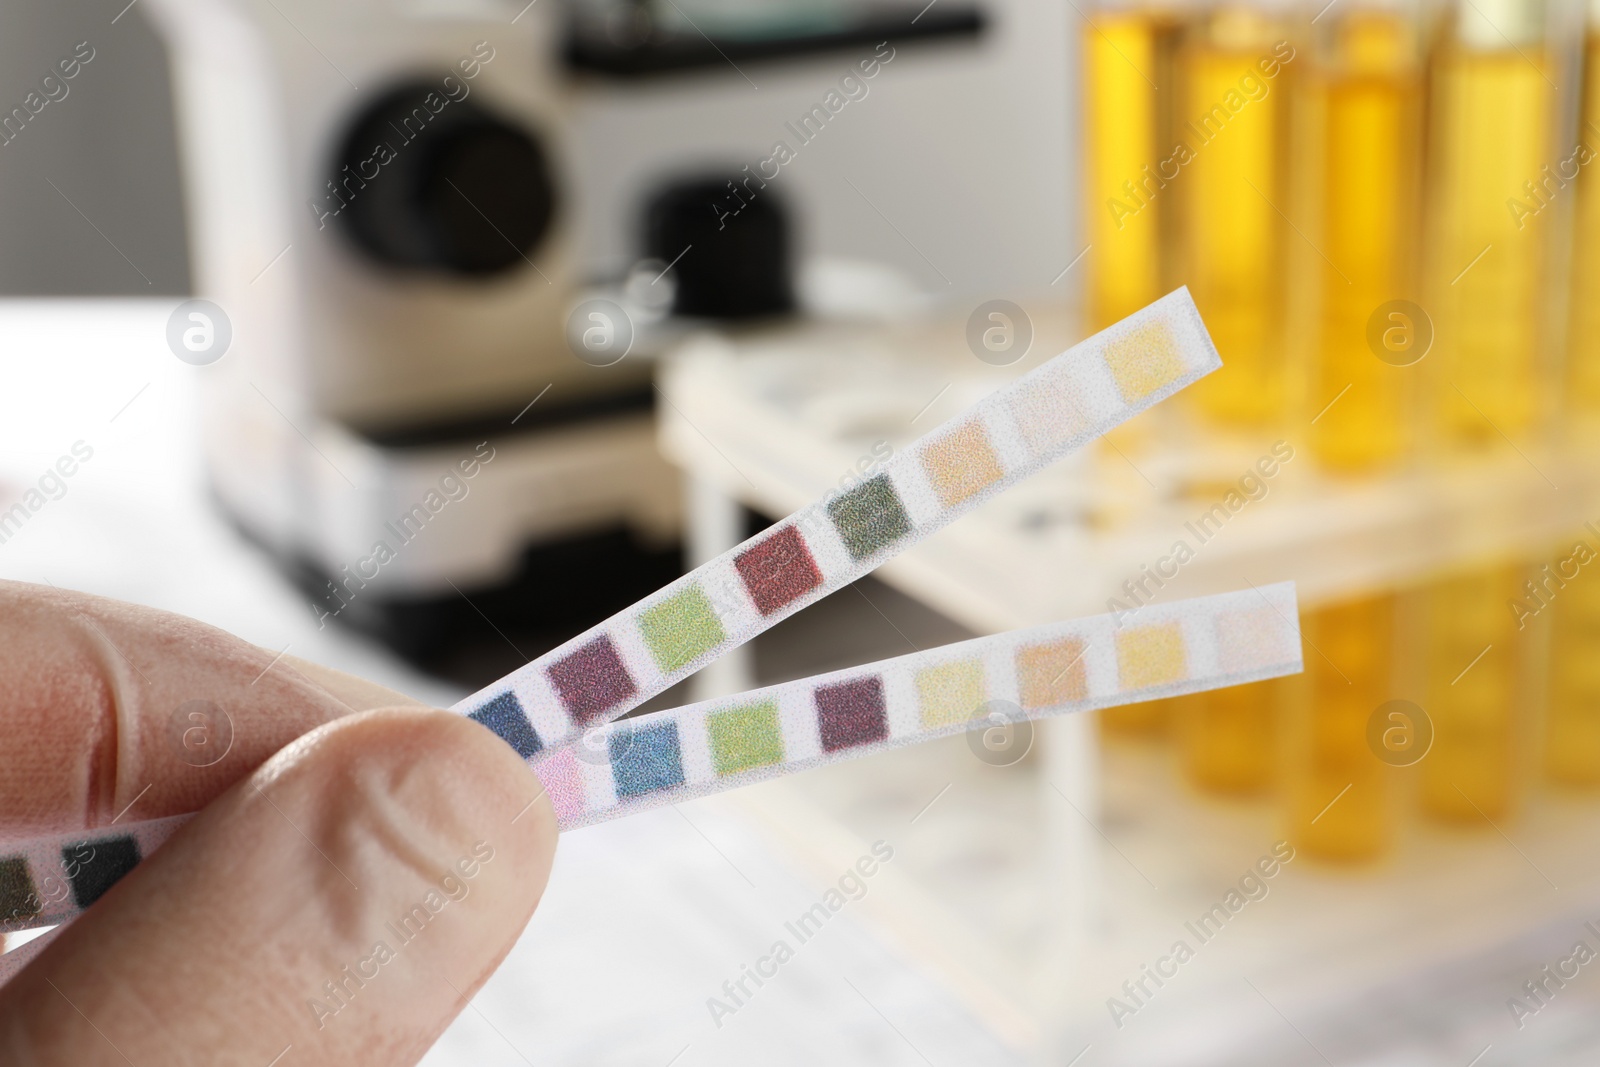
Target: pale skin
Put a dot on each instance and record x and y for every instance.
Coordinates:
(339, 806)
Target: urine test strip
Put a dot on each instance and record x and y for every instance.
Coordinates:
(543, 707)
(48, 880)
(988, 683)
(667, 757)
(609, 670)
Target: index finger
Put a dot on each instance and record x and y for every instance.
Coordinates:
(112, 710)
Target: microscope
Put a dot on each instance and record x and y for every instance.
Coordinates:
(380, 207)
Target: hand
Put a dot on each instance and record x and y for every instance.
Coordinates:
(361, 865)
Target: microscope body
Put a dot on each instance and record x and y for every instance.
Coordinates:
(380, 202)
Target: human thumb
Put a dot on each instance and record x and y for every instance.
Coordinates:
(337, 906)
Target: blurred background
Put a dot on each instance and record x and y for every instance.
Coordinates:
(271, 270)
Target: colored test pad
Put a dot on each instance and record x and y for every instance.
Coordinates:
(49, 880)
(1160, 651)
(1059, 406)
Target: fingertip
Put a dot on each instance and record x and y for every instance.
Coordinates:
(345, 897)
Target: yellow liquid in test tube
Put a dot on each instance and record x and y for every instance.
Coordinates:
(1572, 726)
(1127, 92)
(1150, 719)
(1583, 337)
(1359, 125)
(1472, 694)
(1339, 804)
(1491, 115)
(1234, 190)
(1228, 737)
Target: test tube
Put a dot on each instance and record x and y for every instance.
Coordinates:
(1568, 590)
(1492, 121)
(1471, 653)
(1233, 108)
(1228, 738)
(1583, 331)
(1339, 799)
(1148, 720)
(1358, 169)
(1128, 55)
(1565, 588)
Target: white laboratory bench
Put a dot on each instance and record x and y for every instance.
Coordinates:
(1035, 891)
(644, 919)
